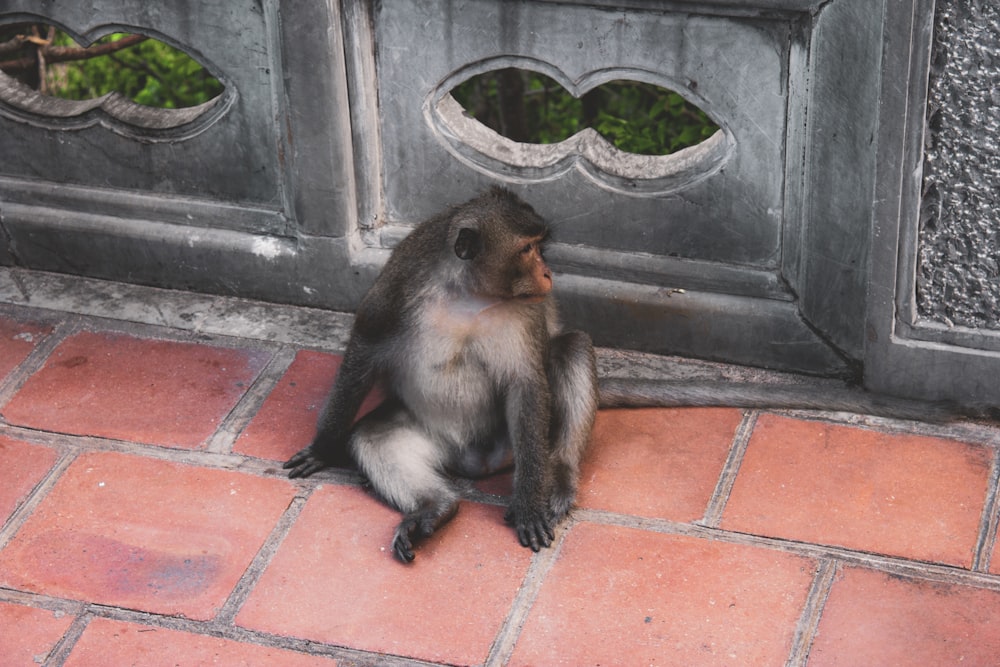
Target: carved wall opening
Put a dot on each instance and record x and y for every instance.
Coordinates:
(51, 78)
(637, 150)
(111, 166)
(634, 116)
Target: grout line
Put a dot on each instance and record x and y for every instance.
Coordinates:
(58, 606)
(510, 631)
(894, 565)
(233, 424)
(60, 652)
(964, 430)
(244, 587)
(174, 334)
(727, 478)
(988, 522)
(84, 612)
(35, 497)
(37, 358)
(812, 611)
(234, 462)
(344, 655)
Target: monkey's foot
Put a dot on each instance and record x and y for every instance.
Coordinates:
(305, 463)
(534, 528)
(420, 525)
(402, 542)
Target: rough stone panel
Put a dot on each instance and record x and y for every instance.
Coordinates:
(957, 277)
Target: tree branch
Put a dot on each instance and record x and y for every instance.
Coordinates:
(60, 54)
(12, 45)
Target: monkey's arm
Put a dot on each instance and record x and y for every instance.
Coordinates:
(329, 447)
(527, 413)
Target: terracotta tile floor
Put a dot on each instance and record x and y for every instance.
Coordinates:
(146, 520)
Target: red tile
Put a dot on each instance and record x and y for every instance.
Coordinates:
(909, 496)
(620, 596)
(144, 534)
(17, 340)
(116, 386)
(652, 462)
(29, 634)
(108, 642)
(656, 463)
(334, 580)
(23, 466)
(873, 618)
(287, 421)
(499, 484)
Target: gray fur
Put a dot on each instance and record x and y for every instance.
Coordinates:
(477, 376)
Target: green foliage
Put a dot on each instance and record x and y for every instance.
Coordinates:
(649, 120)
(150, 73)
(556, 113)
(635, 117)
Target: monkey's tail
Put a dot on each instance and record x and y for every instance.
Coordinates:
(639, 393)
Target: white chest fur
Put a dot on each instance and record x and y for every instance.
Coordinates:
(466, 352)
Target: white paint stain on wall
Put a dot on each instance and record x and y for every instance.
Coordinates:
(266, 247)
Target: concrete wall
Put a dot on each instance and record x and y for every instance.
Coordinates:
(766, 244)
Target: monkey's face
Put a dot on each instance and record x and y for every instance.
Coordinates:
(531, 279)
(505, 265)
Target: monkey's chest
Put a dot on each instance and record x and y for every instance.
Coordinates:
(454, 376)
(460, 347)
(449, 374)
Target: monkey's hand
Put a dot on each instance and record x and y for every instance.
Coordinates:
(305, 463)
(533, 526)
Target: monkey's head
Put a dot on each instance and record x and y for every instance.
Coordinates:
(500, 240)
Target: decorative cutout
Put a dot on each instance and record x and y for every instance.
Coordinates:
(634, 116)
(47, 47)
(586, 151)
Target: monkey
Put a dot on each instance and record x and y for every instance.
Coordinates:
(461, 332)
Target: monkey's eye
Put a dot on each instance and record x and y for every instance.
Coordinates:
(527, 249)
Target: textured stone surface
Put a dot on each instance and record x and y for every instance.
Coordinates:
(957, 281)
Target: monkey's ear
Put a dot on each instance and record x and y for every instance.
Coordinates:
(468, 244)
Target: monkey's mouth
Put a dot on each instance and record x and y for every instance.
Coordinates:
(531, 298)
